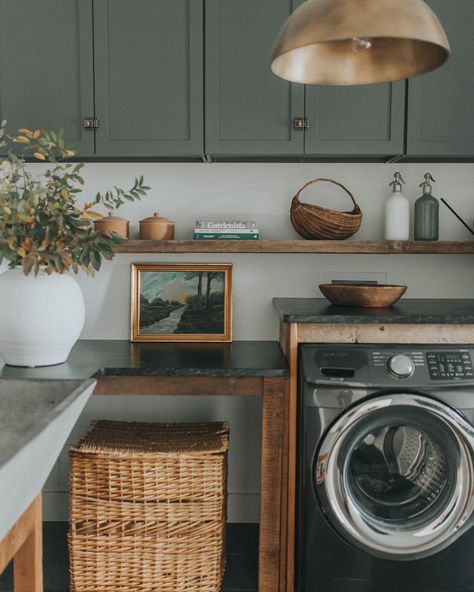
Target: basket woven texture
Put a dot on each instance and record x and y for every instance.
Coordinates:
(314, 222)
(148, 508)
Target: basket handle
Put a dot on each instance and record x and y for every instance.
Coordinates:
(297, 196)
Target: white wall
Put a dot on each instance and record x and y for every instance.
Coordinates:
(262, 192)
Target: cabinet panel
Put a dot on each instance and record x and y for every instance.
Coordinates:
(149, 77)
(355, 120)
(440, 104)
(249, 111)
(46, 67)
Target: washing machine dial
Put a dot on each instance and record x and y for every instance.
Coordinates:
(401, 366)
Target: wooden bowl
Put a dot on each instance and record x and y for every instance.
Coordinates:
(366, 295)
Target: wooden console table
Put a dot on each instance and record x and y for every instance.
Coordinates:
(315, 320)
(242, 368)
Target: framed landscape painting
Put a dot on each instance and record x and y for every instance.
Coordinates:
(181, 302)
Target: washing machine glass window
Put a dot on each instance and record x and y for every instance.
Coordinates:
(399, 474)
(394, 475)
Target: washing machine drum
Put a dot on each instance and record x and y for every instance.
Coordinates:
(394, 475)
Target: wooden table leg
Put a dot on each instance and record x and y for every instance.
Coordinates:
(289, 344)
(273, 406)
(28, 561)
(284, 493)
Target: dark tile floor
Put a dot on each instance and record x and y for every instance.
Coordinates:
(240, 574)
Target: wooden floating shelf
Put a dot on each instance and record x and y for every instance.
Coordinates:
(299, 246)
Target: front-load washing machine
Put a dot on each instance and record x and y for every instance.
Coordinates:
(385, 496)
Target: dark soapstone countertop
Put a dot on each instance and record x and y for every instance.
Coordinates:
(405, 311)
(95, 358)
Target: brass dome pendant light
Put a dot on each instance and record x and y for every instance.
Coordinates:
(350, 42)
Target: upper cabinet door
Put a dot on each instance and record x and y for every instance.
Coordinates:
(46, 67)
(249, 111)
(441, 104)
(355, 120)
(149, 77)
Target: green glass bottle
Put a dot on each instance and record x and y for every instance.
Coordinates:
(427, 213)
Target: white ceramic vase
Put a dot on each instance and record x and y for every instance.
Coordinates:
(41, 317)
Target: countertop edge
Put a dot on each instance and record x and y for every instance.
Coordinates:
(190, 372)
(373, 320)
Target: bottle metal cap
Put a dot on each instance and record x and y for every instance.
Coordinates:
(397, 182)
(426, 184)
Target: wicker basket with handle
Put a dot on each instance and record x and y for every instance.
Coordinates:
(314, 222)
(148, 508)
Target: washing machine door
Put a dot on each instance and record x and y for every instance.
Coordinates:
(394, 475)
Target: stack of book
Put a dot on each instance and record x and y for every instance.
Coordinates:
(225, 230)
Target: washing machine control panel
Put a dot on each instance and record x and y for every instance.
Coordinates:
(452, 364)
(417, 365)
(401, 366)
(390, 366)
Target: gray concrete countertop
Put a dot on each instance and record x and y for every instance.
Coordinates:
(36, 418)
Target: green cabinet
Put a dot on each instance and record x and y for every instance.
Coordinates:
(134, 69)
(440, 104)
(355, 120)
(179, 78)
(46, 67)
(249, 111)
(148, 57)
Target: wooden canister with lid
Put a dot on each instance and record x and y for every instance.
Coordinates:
(156, 228)
(111, 223)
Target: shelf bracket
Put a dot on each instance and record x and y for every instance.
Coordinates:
(394, 159)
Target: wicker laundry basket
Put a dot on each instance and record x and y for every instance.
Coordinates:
(148, 508)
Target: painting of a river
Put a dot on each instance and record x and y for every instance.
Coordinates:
(186, 302)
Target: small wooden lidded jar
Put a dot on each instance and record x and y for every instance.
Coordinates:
(156, 228)
(112, 223)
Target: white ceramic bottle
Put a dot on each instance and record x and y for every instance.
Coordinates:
(397, 213)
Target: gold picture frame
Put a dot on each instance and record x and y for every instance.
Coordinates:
(181, 302)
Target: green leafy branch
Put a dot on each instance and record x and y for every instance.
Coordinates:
(114, 199)
(41, 225)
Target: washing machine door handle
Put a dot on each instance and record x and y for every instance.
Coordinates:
(394, 475)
